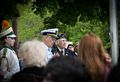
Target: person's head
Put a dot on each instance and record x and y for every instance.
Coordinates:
(70, 47)
(33, 53)
(30, 74)
(65, 69)
(25, 78)
(61, 41)
(49, 36)
(92, 53)
(7, 35)
(89, 46)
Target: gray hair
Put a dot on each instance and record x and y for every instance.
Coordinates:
(33, 53)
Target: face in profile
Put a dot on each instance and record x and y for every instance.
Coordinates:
(71, 47)
(62, 43)
(10, 41)
(50, 41)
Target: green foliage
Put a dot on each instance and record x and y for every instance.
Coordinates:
(75, 33)
(73, 17)
(29, 25)
(67, 11)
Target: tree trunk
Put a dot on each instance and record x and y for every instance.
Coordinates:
(15, 29)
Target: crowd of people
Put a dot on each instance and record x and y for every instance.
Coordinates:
(50, 60)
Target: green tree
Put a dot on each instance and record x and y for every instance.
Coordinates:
(67, 11)
(76, 17)
(30, 24)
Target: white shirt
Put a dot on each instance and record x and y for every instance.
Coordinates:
(48, 52)
(12, 62)
(62, 50)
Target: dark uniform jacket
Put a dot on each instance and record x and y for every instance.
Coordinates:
(65, 53)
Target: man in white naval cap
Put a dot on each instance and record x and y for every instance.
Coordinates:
(49, 38)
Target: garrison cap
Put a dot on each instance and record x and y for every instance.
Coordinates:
(59, 36)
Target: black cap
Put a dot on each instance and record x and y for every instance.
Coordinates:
(59, 36)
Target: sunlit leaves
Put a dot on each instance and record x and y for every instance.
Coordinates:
(29, 25)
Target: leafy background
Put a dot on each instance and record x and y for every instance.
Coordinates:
(73, 17)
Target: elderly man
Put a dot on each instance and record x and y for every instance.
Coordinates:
(60, 47)
(49, 38)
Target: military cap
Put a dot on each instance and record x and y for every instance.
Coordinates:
(50, 32)
(6, 30)
(59, 36)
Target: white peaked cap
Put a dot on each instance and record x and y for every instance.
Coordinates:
(51, 32)
(8, 33)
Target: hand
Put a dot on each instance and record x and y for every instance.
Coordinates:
(56, 54)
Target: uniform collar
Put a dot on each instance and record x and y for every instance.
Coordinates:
(7, 46)
(60, 49)
(47, 47)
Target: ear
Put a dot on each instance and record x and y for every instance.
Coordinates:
(6, 40)
(44, 38)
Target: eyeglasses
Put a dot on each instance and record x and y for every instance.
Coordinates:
(12, 37)
(70, 47)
